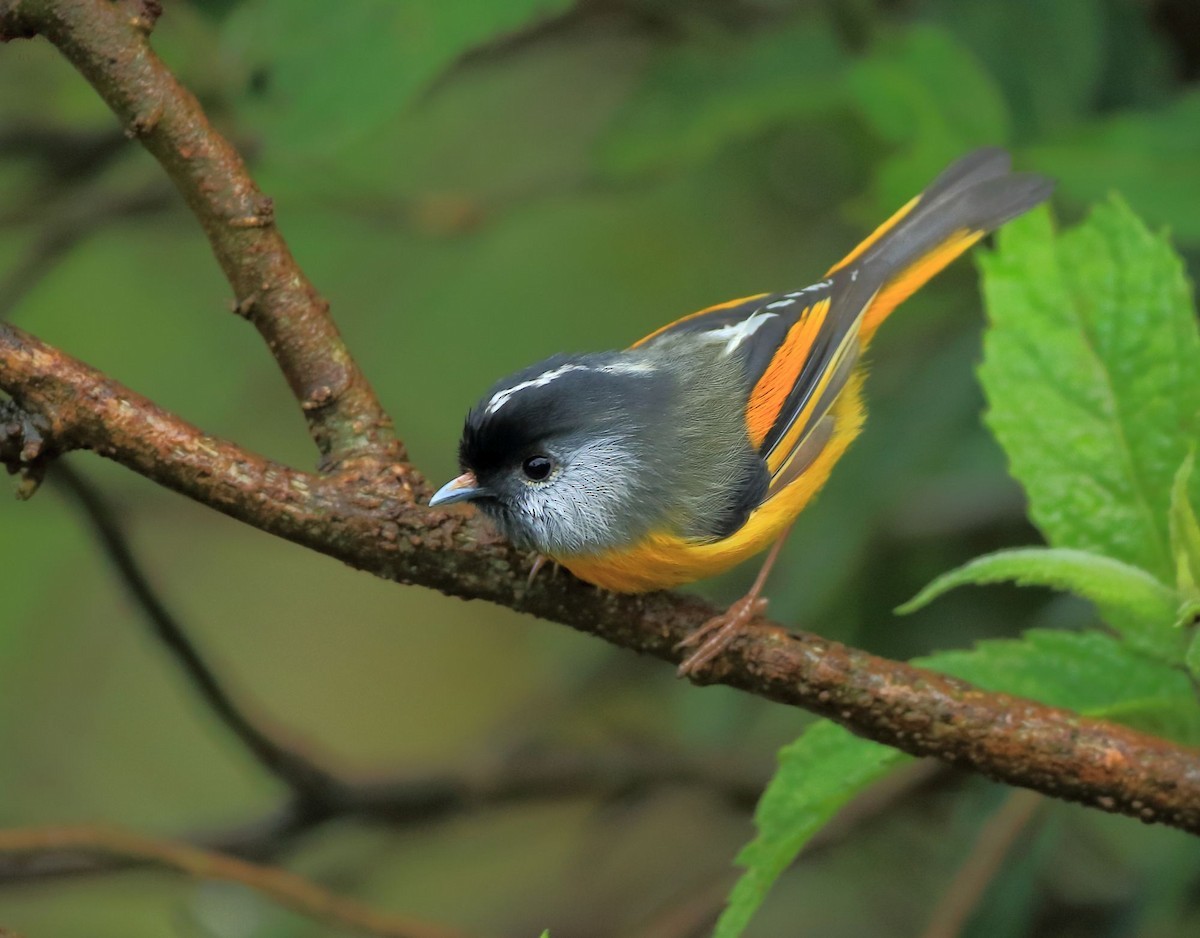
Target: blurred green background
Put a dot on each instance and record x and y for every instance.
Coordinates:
(475, 186)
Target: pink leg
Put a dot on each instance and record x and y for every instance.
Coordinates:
(715, 635)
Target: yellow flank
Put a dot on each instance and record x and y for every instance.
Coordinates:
(662, 561)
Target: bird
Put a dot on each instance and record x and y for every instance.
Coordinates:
(696, 447)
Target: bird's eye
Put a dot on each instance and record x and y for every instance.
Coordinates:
(537, 467)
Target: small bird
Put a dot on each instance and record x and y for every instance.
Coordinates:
(696, 447)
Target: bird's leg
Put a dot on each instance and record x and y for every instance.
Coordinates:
(714, 636)
(540, 561)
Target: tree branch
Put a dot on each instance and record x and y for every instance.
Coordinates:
(365, 517)
(521, 777)
(313, 787)
(107, 41)
(283, 887)
(996, 840)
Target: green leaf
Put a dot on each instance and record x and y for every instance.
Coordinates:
(818, 774)
(1185, 532)
(321, 75)
(1143, 602)
(1149, 156)
(901, 91)
(700, 95)
(1192, 658)
(1089, 371)
(1089, 672)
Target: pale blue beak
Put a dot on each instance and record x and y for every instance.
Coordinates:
(462, 489)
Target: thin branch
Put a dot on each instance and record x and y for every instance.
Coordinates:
(108, 43)
(313, 786)
(524, 777)
(971, 882)
(67, 229)
(366, 517)
(286, 888)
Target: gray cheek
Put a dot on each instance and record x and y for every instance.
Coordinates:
(583, 512)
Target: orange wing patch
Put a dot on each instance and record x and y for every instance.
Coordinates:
(708, 309)
(906, 282)
(877, 234)
(777, 382)
(829, 386)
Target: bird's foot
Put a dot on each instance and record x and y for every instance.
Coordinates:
(540, 561)
(715, 635)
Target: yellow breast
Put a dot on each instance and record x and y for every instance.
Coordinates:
(662, 561)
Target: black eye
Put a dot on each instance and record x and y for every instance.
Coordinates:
(537, 467)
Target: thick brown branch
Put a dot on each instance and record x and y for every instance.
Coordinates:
(286, 888)
(366, 518)
(107, 41)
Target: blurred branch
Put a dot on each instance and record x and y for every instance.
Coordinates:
(108, 43)
(68, 228)
(311, 786)
(65, 155)
(970, 883)
(407, 801)
(286, 888)
(371, 522)
(366, 513)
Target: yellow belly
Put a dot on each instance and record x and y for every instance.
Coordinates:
(662, 561)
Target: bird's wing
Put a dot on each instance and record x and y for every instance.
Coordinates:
(798, 350)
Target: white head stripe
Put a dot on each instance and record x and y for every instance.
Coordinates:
(500, 398)
(736, 333)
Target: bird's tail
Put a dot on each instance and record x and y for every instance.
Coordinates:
(972, 197)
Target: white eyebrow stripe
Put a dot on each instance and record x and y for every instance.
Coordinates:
(500, 398)
(736, 333)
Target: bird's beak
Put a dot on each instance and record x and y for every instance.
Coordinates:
(462, 489)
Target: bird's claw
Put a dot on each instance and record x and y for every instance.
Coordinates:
(715, 635)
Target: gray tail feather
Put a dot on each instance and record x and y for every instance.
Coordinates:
(978, 192)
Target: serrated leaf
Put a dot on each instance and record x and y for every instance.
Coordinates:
(900, 88)
(1089, 370)
(324, 74)
(1089, 672)
(817, 775)
(1144, 602)
(701, 95)
(1185, 532)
